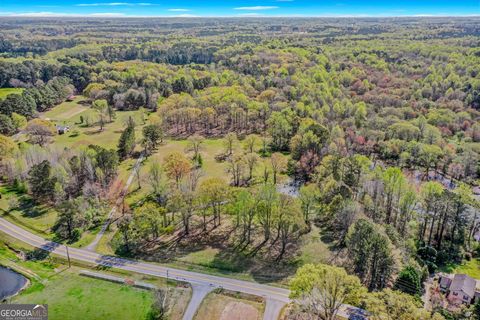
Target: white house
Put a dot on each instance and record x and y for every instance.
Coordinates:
(459, 288)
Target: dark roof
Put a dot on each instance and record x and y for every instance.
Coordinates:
(464, 283)
(445, 282)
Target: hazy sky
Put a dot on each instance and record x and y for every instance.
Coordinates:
(240, 7)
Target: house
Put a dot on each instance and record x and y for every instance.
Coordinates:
(62, 129)
(459, 288)
(71, 97)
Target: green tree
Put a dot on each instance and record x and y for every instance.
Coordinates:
(392, 304)
(409, 281)
(370, 252)
(176, 166)
(18, 120)
(69, 218)
(126, 144)
(6, 125)
(7, 147)
(41, 181)
(152, 137)
(101, 106)
(322, 289)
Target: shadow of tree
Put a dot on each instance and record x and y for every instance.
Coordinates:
(42, 252)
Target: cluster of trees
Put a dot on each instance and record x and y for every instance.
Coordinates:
(16, 109)
(75, 182)
(367, 124)
(322, 291)
(260, 217)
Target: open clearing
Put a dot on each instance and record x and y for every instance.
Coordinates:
(4, 92)
(222, 307)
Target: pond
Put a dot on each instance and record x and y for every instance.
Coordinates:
(10, 282)
(290, 188)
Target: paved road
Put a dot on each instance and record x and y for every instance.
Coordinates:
(93, 246)
(194, 278)
(275, 297)
(198, 294)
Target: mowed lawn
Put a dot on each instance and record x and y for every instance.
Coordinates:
(4, 92)
(77, 113)
(70, 296)
(36, 218)
(66, 111)
(471, 268)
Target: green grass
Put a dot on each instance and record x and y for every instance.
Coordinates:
(71, 296)
(66, 111)
(38, 219)
(71, 113)
(4, 92)
(471, 268)
(75, 297)
(313, 249)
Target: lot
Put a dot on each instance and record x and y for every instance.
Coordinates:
(218, 306)
(71, 296)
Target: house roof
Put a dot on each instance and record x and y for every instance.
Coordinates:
(464, 283)
(445, 281)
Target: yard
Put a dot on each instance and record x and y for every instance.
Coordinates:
(20, 209)
(470, 268)
(72, 296)
(84, 130)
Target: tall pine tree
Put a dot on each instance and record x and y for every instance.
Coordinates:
(126, 143)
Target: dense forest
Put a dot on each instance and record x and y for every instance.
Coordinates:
(374, 123)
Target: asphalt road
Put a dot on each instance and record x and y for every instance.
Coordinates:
(270, 293)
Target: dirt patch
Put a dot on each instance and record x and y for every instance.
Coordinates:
(217, 306)
(239, 311)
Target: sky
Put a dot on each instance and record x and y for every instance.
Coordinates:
(239, 8)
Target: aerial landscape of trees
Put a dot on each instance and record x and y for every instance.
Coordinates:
(359, 136)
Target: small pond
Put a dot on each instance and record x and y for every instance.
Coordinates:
(290, 187)
(10, 282)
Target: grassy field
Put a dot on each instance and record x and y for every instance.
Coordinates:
(75, 297)
(71, 113)
(218, 306)
(4, 92)
(313, 249)
(71, 296)
(471, 268)
(38, 219)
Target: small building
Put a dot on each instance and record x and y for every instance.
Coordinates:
(459, 288)
(62, 129)
(71, 97)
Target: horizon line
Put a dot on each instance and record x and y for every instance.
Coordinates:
(239, 16)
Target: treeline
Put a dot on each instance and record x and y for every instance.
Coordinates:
(16, 109)
(76, 183)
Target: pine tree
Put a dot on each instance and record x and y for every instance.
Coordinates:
(126, 144)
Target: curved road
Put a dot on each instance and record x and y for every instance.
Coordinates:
(271, 294)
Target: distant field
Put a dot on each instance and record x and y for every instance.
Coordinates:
(471, 268)
(4, 92)
(76, 115)
(66, 110)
